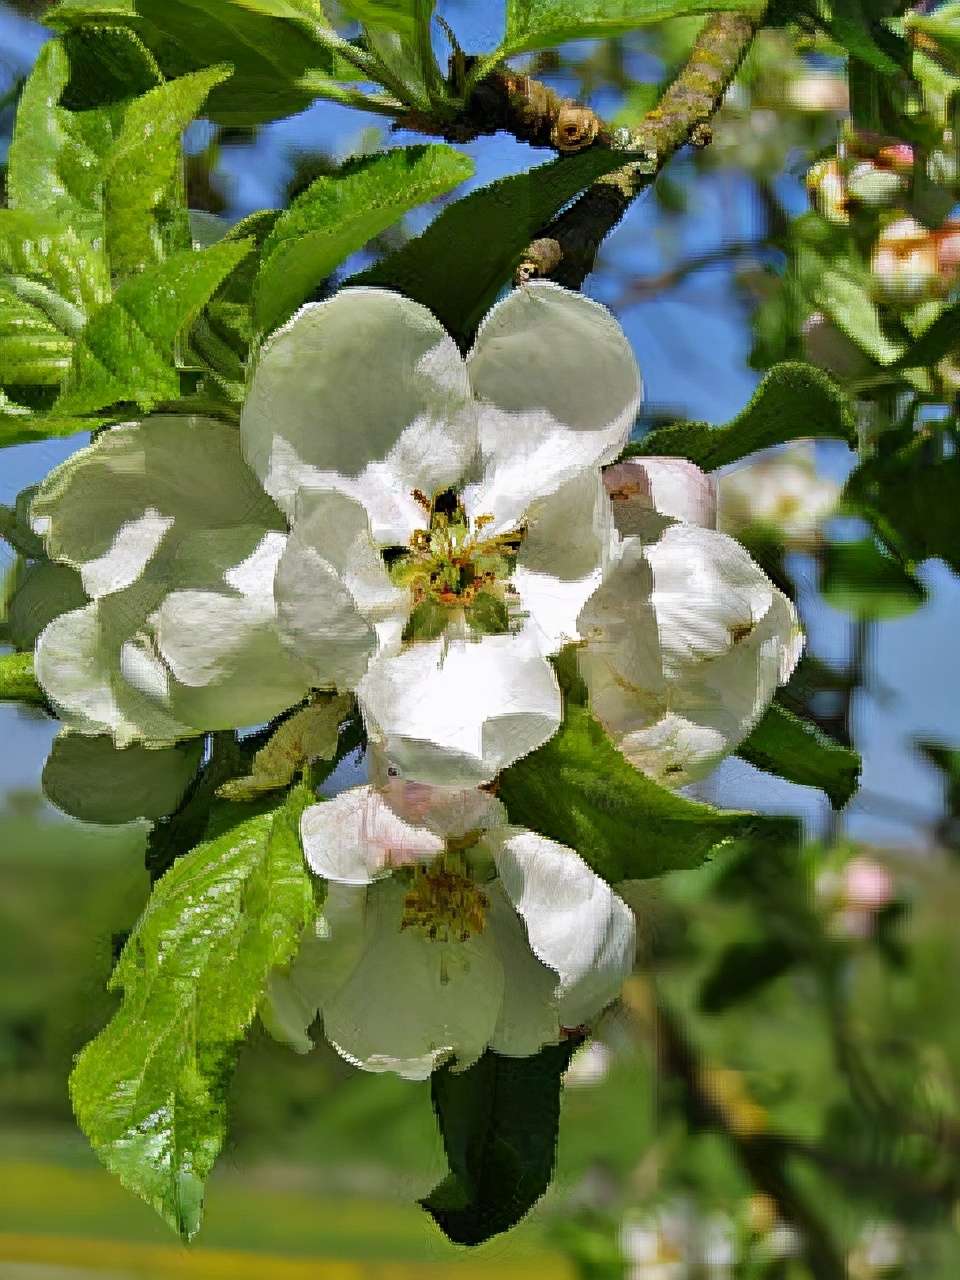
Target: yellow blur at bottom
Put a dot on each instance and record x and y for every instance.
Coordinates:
(24, 1257)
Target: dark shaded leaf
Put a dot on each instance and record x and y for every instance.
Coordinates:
(499, 1122)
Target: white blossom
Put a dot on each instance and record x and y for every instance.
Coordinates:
(783, 492)
(445, 932)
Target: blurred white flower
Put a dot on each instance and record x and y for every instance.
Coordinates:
(445, 932)
(905, 265)
(588, 1066)
(817, 91)
(783, 492)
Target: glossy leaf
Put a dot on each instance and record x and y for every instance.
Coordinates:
(339, 213)
(108, 64)
(51, 168)
(542, 24)
(793, 402)
(463, 259)
(578, 789)
(499, 1122)
(797, 750)
(33, 351)
(44, 250)
(149, 1091)
(144, 164)
(127, 351)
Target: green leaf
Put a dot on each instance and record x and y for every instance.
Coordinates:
(939, 339)
(17, 683)
(793, 402)
(145, 162)
(578, 789)
(20, 425)
(128, 350)
(107, 65)
(269, 54)
(943, 27)
(309, 734)
(460, 263)
(92, 779)
(859, 579)
(339, 213)
(542, 24)
(42, 249)
(742, 970)
(33, 352)
(851, 26)
(499, 1122)
(911, 498)
(391, 15)
(51, 169)
(797, 750)
(149, 1092)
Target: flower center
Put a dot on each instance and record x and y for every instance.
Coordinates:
(452, 567)
(444, 902)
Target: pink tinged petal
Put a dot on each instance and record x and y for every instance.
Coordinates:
(575, 922)
(446, 811)
(366, 377)
(645, 492)
(411, 1002)
(559, 388)
(455, 712)
(357, 836)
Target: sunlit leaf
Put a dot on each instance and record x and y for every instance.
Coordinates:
(149, 1092)
(127, 351)
(144, 163)
(859, 579)
(542, 24)
(17, 682)
(339, 213)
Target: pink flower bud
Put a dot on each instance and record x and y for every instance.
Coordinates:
(867, 884)
(644, 492)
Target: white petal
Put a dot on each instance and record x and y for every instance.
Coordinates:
(367, 376)
(78, 664)
(675, 751)
(357, 835)
(706, 589)
(254, 576)
(575, 922)
(569, 538)
(328, 954)
(560, 387)
(331, 589)
(104, 507)
(89, 778)
(455, 712)
(133, 546)
(225, 653)
(411, 1002)
(646, 492)
(529, 1016)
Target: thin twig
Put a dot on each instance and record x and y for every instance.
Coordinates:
(682, 117)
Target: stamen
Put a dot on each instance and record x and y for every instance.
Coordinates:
(443, 903)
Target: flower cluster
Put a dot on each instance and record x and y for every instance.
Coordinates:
(424, 532)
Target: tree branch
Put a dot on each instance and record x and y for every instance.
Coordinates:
(682, 117)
